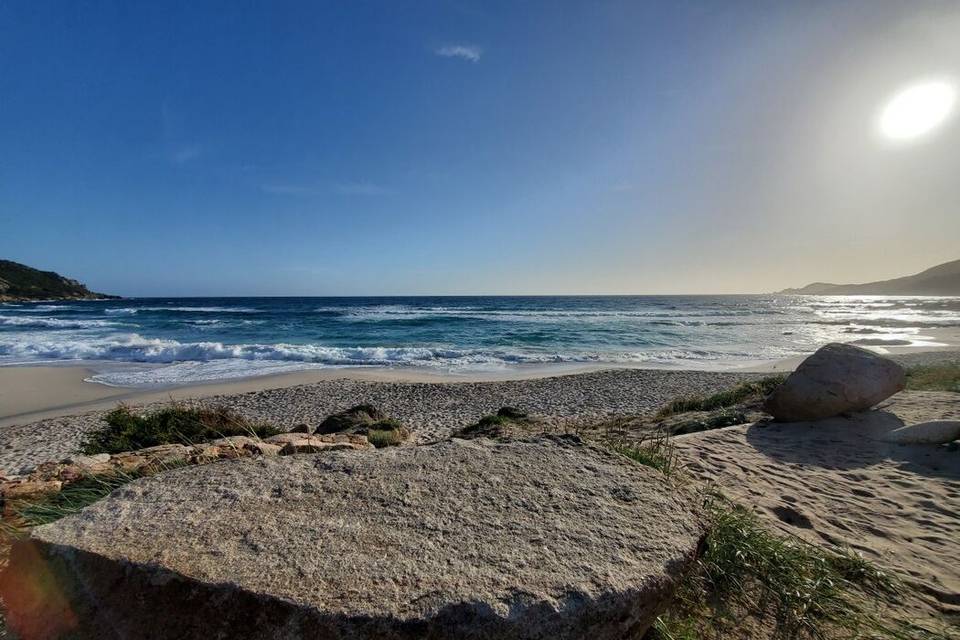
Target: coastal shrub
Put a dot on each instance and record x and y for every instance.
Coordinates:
(748, 575)
(938, 377)
(657, 452)
(754, 390)
(512, 413)
(386, 433)
(487, 425)
(716, 421)
(353, 418)
(177, 424)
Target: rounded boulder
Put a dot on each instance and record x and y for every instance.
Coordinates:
(837, 379)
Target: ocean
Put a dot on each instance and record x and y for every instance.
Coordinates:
(168, 341)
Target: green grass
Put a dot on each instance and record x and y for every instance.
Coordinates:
(27, 514)
(724, 419)
(386, 433)
(938, 377)
(747, 574)
(753, 390)
(177, 424)
(657, 452)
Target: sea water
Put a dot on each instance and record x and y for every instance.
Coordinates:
(183, 340)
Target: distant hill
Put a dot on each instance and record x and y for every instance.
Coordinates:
(942, 280)
(19, 282)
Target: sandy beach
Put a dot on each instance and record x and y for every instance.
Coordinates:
(831, 482)
(432, 410)
(834, 482)
(45, 411)
(32, 393)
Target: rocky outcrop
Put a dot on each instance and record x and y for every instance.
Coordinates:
(542, 538)
(837, 379)
(933, 432)
(19, 282)
(50, 477)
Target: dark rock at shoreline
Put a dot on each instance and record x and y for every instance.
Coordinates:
(539, 538)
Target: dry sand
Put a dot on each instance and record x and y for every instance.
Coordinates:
(833, 482)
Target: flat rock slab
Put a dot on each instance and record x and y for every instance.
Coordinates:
(540, 538)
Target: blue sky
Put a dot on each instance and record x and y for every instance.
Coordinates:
(441, 148)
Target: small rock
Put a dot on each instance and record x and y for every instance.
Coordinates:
(933, 432)
(263, 448)
(129, 462)
(70, 473)
(88, 461)
(283, 438)
(301, 428)
(316, 444)
(166, 453)
(45, 471)
(30, 489)
(237, 442)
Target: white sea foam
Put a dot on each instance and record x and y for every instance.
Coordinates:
(46, 308)
(53, 323)
(134, 310)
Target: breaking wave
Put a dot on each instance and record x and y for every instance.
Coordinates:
(29, 322)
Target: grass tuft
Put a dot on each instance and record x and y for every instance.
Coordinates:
(657, 452)
(938, 377)
(177, 424)
(71, 499)
(386, 433)
(753, 390)
(751, 575)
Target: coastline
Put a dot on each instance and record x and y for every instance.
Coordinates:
(31, 393)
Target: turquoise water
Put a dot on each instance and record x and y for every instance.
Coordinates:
(200, 339)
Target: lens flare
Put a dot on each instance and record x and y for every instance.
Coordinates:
(917, 110)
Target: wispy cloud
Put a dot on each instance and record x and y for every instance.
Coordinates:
(361, 189)
(185, 153)
(469, 52)
(343, 189)
(288, 190)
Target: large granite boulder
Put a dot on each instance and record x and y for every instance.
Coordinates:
(542, 538)
(838, 378)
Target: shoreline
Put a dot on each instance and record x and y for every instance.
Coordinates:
(26, 391)
(431, 410)
(31, 393)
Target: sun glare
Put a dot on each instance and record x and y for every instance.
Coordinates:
(917, 110)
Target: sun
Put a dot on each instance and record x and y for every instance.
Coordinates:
(917, 110)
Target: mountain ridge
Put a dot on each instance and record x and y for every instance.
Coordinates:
(941, 280)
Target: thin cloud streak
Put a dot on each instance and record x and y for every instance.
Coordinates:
(342, 189)
(361, 189)
(465, 51)
(185, 154)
